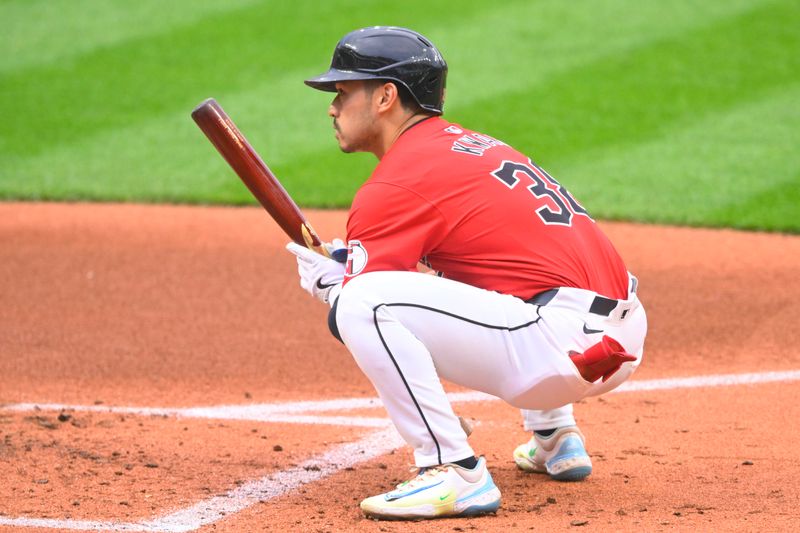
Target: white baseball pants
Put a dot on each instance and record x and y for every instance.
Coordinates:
(406, 330)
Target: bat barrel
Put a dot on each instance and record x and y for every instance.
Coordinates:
(254, 173)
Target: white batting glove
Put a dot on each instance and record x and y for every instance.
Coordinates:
(320, 276)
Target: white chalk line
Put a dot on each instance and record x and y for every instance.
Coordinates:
(291, 412)
(343, 456)
(273, 413)
(266, 488)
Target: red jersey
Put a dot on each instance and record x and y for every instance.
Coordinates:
(479, 212)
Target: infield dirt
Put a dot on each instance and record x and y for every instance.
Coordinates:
(129, 305)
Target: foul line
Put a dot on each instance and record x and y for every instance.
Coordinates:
(347, 455)
(268, 487)
(292, 412)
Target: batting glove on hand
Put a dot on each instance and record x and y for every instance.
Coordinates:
(319, 275)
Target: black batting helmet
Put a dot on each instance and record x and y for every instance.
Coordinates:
(389, 53)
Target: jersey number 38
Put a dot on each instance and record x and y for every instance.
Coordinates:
(510, 173)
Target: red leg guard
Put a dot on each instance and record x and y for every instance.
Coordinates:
(602, 359)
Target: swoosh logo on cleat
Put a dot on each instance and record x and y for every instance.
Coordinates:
(442, 498)
(590, 331)
(397, 494)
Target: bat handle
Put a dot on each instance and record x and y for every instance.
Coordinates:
(313, 242)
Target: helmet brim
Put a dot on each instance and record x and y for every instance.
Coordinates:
(327, 80)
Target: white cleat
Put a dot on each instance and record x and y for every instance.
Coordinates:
(562, 455)
(438, 491)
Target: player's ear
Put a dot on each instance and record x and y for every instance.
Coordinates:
(386, 96)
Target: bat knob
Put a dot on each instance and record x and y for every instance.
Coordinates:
(339, 255)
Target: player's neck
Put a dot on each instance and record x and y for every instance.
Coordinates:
(393, 128)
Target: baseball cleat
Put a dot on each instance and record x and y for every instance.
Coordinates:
(438, 491)
(562, 455)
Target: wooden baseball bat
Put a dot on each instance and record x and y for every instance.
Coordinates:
(255, 174)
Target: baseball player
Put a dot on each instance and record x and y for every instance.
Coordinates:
(532, 303)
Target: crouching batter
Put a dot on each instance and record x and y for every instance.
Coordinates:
(532, 302)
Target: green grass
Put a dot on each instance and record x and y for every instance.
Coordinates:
(674, 112)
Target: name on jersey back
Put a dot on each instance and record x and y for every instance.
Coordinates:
(472, 143)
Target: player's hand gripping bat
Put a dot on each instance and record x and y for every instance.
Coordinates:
(269, 192)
